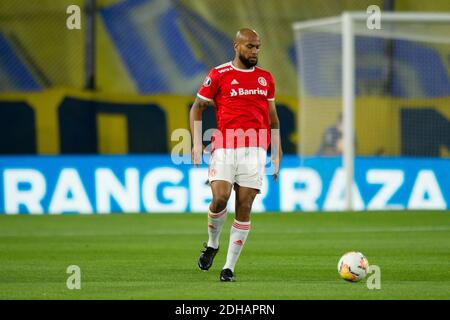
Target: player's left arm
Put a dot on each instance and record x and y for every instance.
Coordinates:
(277, 152)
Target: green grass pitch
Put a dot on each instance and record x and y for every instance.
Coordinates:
(287, 256)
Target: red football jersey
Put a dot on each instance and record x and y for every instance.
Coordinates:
(241, 104)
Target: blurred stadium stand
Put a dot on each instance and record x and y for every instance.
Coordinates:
(152, 55)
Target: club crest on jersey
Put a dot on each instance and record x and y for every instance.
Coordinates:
(262, 81)
(207, 82)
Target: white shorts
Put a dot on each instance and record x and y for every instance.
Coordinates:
(243, 166)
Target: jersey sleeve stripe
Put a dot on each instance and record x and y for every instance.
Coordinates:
(204, 98)
(271, 99)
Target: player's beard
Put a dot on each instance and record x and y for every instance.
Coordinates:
(247, 63)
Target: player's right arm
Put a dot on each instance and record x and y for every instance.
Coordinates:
(195, 121)
(205, 97)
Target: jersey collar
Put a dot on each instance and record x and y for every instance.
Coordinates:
(242, 70)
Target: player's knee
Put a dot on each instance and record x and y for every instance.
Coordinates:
(219, 203)
(244, 207)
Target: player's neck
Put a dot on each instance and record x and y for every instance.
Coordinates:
(237, 64)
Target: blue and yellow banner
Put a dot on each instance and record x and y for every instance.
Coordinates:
(82, 122)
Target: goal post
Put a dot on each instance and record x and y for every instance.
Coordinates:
(361, 75)
(348, 105)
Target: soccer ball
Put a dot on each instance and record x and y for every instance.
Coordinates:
(353, 266)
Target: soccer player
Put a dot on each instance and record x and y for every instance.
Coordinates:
(244, 100)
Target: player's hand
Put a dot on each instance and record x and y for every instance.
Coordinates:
(197, 155)
(276, 167)
(276, 160)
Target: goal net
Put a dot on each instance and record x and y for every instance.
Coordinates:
(368, 92)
